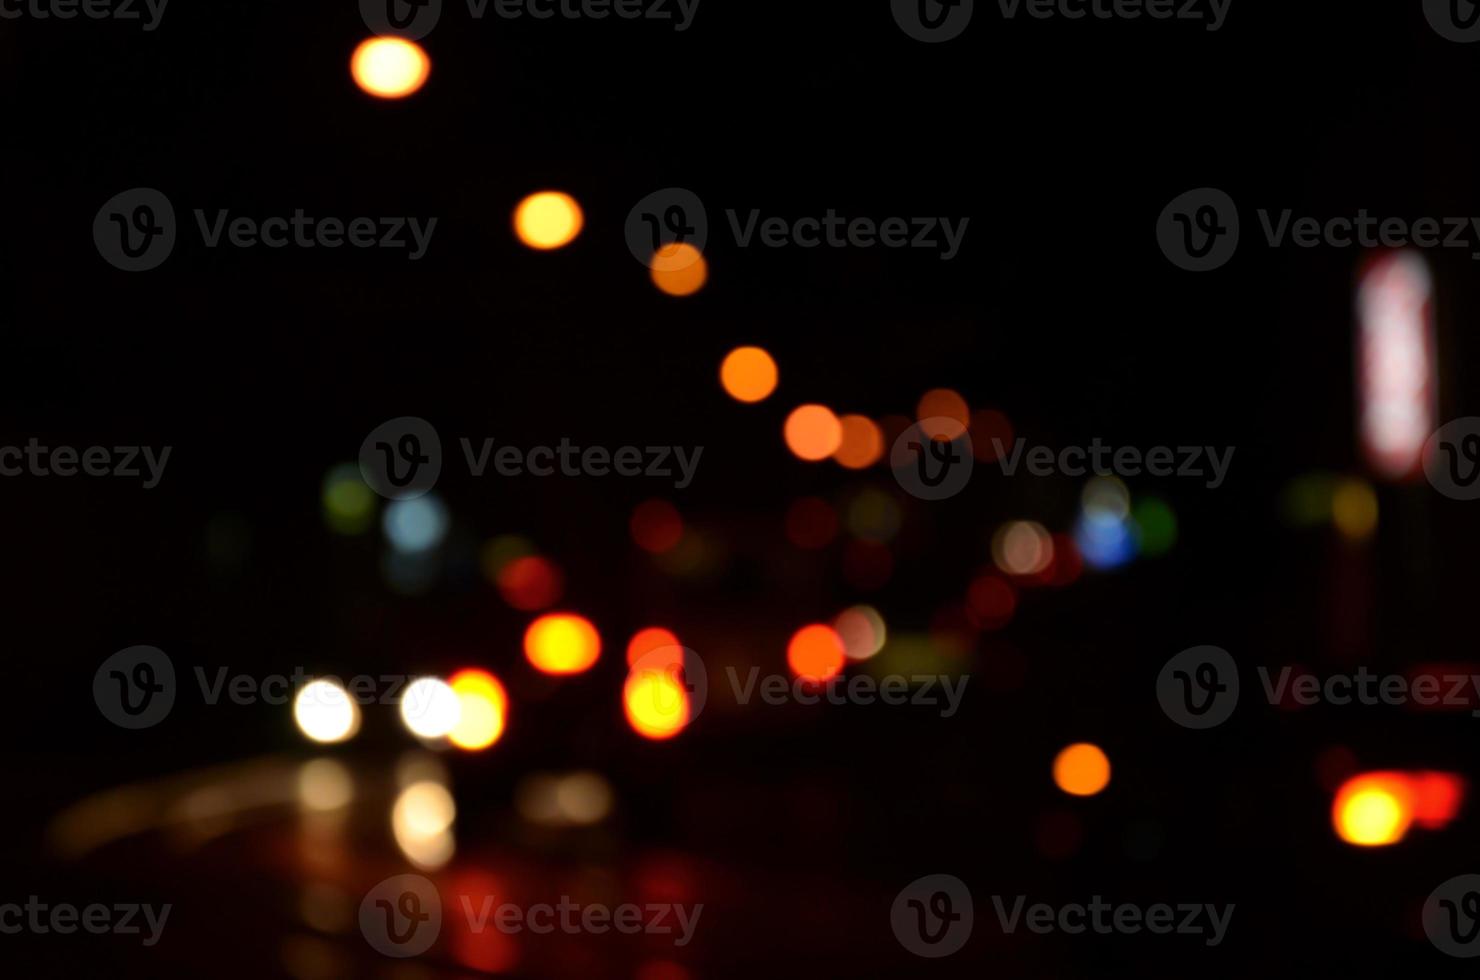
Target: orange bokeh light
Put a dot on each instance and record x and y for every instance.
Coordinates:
(390, 67)
(1437, 797)
(645, 641)
(748, 374)
(484, 708)
(1082, 769)
(530, 583)
(943, 403)
(562, 643)
(679, 269)
(813, 432)
(862, 442)
(548, 220)
(815, 653)
(656, 526)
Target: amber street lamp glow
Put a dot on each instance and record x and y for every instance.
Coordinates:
(813, 432)
(390, 67)
(679, 269)
(562, 643)
(1082, 770)
(862, 444)
(748, 374)
(945, 413)
(548, 220)
(815, 653)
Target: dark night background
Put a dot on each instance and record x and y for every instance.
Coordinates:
(1062, 141)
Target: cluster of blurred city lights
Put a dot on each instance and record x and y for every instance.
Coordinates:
(1347, 503)
(469, 712)
(1377, 809)
(575, 799)
(1110, 533)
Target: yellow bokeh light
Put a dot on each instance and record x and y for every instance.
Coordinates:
(655, 700)
(1354, 509)
(325, 712)
(390, 67)
(548, 220)
(748, 374)
(1082, 769)
(562, 643)
(679, 269)
(1372, 811)
(484, 705)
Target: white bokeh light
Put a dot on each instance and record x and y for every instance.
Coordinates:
(430, 707)
(325, 712)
